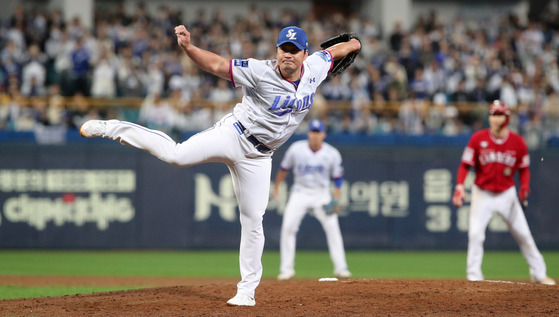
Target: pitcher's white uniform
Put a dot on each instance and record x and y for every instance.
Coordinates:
(270, 111)
(312, 172)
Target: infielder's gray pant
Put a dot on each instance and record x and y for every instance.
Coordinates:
(250, 172)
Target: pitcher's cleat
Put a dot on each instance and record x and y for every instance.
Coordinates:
(95, 128)
(241, 300)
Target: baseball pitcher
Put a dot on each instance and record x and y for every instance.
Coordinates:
(277, 96)
(496, 154)
(313, 163)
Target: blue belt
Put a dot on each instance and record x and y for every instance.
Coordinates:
(252, 139)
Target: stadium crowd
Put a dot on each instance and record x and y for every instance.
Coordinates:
(412, 81)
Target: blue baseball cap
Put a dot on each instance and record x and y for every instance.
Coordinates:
(295, 35)
(316, 126)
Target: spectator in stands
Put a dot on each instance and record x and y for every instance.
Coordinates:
(478, 93)
(419, 85)
(396, 37)
(335, 89)
(359, 101)
(435, 113)
(435, 77)
(80, 57)
(22, 116)
(16, 35)
(377, 85)
(155, 77)
(187, 81)
(507, 92)
(11, 62)
(130, 79)
(397, 76)
(56, 112)
(411, 115)
(460, 95)
(103, 81)
(476, 60)
(221, 97)
(79, 111)
(34, 73)
(452, 124)
(63, 63)
(156, 113)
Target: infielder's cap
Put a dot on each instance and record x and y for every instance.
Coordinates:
(295, 35)
(317, 126)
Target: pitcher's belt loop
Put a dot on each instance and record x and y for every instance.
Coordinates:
(252, 139)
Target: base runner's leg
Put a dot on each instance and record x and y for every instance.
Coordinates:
(518, 227)
(480, 215)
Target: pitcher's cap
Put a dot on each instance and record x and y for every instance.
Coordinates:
(316, 125)
(295, 35)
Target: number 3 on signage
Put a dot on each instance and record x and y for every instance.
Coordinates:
(438, 218)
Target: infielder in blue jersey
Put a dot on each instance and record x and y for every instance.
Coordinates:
(277, 96)
(314, 163)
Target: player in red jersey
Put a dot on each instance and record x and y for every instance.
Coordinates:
(495, 154)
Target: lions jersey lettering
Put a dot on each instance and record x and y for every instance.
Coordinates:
(273, 107)
(285, 105)
(304, 169)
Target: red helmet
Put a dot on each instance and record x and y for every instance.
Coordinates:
(499, 107)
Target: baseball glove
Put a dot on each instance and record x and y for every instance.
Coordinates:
(341, 64)
(332, 207)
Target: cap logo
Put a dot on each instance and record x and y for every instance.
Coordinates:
(291, 34)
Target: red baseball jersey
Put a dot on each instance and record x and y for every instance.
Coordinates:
(495, 160)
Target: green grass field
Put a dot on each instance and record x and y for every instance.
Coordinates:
(309, 264)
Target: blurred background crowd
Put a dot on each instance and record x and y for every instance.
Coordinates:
(436, 77)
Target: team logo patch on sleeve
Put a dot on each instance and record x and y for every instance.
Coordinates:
(241, 63)
(325, 56)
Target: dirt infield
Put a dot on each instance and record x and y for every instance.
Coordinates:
(355, 297)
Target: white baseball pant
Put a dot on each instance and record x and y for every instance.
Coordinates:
(250, 172)
(506, 204)
(300, 202)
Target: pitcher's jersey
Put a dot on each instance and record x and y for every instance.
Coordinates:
(272, 107)
(313, 169)
(495, 160)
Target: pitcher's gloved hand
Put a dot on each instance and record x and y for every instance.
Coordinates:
(341, 64)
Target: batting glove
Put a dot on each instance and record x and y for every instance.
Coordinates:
(459, 195)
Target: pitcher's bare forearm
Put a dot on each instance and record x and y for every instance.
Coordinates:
(207, 61)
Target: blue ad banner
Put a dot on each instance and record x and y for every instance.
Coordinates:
(103, 195)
